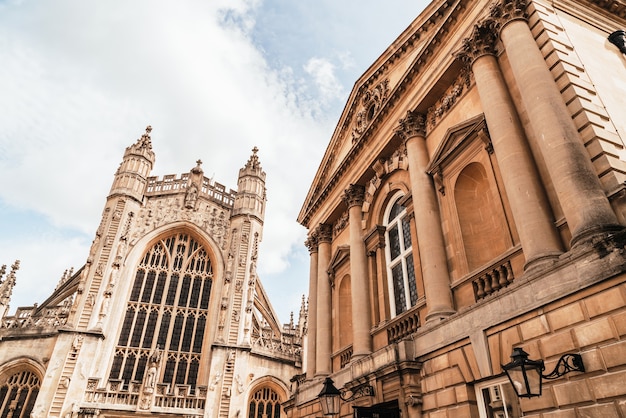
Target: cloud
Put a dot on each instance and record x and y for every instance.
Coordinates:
(81, 80)
(323, 73)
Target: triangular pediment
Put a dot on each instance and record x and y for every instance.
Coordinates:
(455, 140)
(376, 92)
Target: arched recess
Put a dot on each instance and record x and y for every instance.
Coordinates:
(265, 398)
(344, 307)
(20, 382)
(480, 216)
(167, 311)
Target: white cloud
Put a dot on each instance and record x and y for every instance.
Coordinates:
(323, 73)
(81, 80)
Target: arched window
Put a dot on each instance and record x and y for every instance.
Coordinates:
(18, 393)
(265, 403)
(400, 267)
(167, 310)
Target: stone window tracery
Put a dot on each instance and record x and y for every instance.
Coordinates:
(167, 310)
(18, 393)
(264, 403)
(399, 252)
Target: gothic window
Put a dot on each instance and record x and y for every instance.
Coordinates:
(18, 393)
(265, 403)
(400, 267)
(167, 311)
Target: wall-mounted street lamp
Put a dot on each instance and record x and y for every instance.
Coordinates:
(330, 396)
(525, 375)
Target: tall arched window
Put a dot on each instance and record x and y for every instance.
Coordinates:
(18, 393)
(399, 252)
(265, 403)
(167, 310)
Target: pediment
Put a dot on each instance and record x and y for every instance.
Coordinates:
(455, 139)
(376, 92)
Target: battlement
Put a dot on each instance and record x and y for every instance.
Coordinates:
(171, 184)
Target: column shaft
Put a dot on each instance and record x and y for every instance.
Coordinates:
(360, 297)
(312, 311)
(323, 334)
(576, 183)
(531, 210)
(427, 220)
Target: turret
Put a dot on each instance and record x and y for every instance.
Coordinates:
(131, 176)
(6, 287)
(250, 199)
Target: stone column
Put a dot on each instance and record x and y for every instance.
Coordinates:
(430, 242)
(359, 279)
(323, 334)
(578, 188)
(531, 211)
(311, 244)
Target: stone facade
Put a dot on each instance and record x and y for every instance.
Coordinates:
(471, 201)
(167, 318)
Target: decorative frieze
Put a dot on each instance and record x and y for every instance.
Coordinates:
(449, 99)
(167, 210)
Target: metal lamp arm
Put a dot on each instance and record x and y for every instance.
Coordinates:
(567, 363)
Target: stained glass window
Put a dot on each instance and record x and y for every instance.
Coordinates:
(167, 310)
(18, 394)
(264, 403)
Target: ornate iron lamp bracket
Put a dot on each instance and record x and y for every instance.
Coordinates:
(567, 363)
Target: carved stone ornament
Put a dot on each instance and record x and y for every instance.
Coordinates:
(166, 210)
(370, 105)
(354, 195)
(413, 124)
(481, 42)
(324, 233)
(311, 243)
(506, 11)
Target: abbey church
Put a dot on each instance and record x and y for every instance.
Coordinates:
(167, 318)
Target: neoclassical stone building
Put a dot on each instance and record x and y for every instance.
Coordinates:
(167, 318)
(471, 201)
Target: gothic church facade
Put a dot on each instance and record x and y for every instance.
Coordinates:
(167, 318)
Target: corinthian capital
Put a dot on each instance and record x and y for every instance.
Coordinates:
(324, 233)
(506, 11)
(354, 195)
(413, 124)
(311, 243)
(481, 42)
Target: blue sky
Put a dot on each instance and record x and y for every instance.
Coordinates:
(80, 80)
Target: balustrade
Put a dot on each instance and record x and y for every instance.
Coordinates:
(492, 280)
(403, 326)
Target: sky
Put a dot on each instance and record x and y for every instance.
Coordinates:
(81, 79)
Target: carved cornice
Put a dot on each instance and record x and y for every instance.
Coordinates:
(354, 195)
(482, 42)
(614, 7)
(324, 233)
(413, 124)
